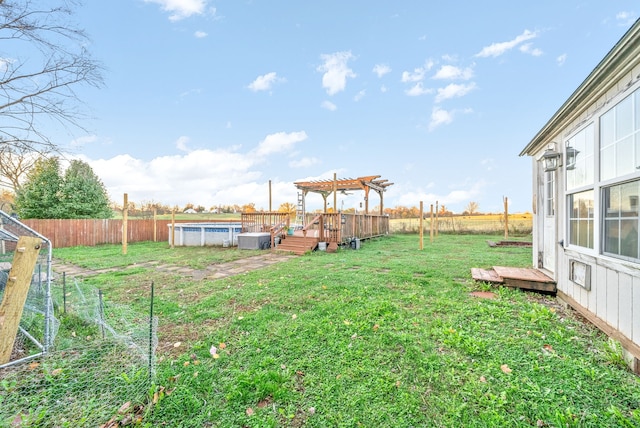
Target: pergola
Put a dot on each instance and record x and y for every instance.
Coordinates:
(327, 187)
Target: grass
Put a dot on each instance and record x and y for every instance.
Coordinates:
(385, 336)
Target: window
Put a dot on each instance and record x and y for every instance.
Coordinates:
(550, 191)
(580, 170)
(620, 139)
(621, 220)
(581, 219)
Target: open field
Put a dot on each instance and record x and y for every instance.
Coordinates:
(519, 224)
(385, 336)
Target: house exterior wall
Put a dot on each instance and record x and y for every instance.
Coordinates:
(603, 286)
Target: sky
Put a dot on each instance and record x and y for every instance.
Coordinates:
(207, 102)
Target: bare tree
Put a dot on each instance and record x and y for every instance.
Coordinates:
(42, 59)
(15, 163)
(472, 207)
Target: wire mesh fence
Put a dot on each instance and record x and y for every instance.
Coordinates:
(78, 359)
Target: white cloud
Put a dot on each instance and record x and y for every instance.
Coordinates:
(5, 62)
(336, 71)
(381, 69)
(460, 195)
(625, 19)
(360, 95)
(383, 89)
(528, 49)
(439, 117)
(265, 82)
(497, 49)
(304, 162)
(451, 72)
(328, 105)
(454, 91)
(417, 90)
(561, 59)
(418, 73)
(205, 176)
(84, 140)
(279, 142)
(200, 34)
(487, 163)
(181, 144)
(180, 9)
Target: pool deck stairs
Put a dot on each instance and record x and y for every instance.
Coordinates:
(297, 244)
(523, 278)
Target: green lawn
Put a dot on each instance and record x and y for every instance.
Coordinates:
(385, 336)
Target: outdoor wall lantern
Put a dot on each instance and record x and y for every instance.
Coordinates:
(571, 155)
(551, 159)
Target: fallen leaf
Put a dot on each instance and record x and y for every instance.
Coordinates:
(347, 322)
(196, 362)
(548, 348)
(282, 366)
(312, 410)
(505, 368)
(354, 335)
(376, 327)
(195, 374)
(33, 365)
(250, 411)
(294, 316)
(397, 384)
(123, 409)
(56, 372)
(177, 344)
(73, 334)
(240, 318)
(186, 363)
(483, 379)
(222, 345)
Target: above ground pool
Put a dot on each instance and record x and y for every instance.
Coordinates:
(203, 234)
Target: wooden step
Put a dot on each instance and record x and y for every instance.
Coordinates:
(523, 278)
(297, 244)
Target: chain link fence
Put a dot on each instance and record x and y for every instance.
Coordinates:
(78, 359)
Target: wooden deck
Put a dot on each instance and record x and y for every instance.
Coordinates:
(523, 278)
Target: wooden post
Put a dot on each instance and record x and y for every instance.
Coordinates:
(173, 227)
(431, 224)
(506, 218)
(421, 226)
(155, 224)
(15, 293)
(437, 226)
(125, 217)
(335, 192)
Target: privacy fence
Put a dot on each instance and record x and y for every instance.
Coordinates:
(91, 232)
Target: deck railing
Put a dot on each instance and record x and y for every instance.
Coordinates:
(328, 227)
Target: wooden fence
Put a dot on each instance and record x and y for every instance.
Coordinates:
(92, 232)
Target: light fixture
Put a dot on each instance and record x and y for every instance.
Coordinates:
(571, 156)
(551, 159)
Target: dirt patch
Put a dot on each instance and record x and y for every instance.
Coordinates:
(483, 294)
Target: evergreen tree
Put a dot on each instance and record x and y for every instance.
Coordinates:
(47, 194)
(39, 196)
(83, 195)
